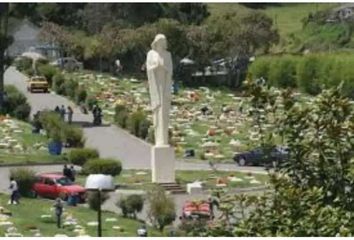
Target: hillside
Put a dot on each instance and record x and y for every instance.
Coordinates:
(287, 16)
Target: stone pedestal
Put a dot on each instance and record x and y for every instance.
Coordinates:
(163, 164)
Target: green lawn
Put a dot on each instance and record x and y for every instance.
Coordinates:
(134, 179)
(20, 145)
(13, 158)
(27, 216)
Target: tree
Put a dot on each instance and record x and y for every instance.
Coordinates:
(161, 208)
(5, 42)
(312, 191)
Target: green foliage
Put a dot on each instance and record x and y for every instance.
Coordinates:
(102, 166)
(25, 179)
(81, 96)
(131, 205)
(138, 125)
(70, 87)
(80, 156)
(311, 191)
(22, 111)
(310, 73)
(58, 130)
(161, 208)
(73, 136)
(94, 201)
(48, 71)
(58, 83)
(15, 104)
(90, 102)
(121, 115)
(307, 74)
(52, 124)
(23, 64)
(282, 72)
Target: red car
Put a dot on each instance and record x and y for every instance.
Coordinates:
(196, 209)
(53, 185)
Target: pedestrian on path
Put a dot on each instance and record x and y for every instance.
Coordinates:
(66, 171)
(14, 191)
(142, 231)
(62, 112)
(57, 109)
(70, 115)
(72, 173)
(58, 206)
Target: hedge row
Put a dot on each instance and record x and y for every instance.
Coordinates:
(310, 73)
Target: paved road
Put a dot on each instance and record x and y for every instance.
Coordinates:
(110, 141)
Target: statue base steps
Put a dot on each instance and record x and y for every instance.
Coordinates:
(173, 188)
(163, 164)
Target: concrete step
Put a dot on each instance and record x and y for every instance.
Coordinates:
(173, 188)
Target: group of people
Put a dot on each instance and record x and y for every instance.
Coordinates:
(69, 172)
(62, 111)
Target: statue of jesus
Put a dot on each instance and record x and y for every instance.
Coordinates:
(159, 72)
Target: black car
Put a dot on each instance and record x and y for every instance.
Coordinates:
(258, 156)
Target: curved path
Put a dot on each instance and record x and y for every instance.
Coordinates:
(110, 140)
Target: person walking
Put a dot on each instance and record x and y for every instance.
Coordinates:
(14, 191)
(57, 109)
(58, 207)
(70, 115)
(94, 113)
(142, 231)
(73, 173)
(66, 171)
(62, 112)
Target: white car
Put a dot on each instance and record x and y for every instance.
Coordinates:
(68, 63)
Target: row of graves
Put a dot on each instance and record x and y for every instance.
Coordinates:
(205, 123)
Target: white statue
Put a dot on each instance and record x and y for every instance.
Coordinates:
(159, 72)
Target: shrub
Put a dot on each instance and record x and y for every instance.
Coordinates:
(48, 71)
(53, 125)
(131, 205)
(282, 72)
(22, 111)
(93, 200)
(81, 96)
(307, 75)
(260, 67)
(102, 166)
(90, 102)
(70, 87)
(15, 103)
(80, 156)
(121, 115)
(135, 123)
(23, 63)
(144, 128)
(25, 179)
(58, 83)
(73, 136)
(161, 208)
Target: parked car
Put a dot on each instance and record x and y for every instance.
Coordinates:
(37, 83)
(68, 63)
(53, 185)
(258, 156)
(199, 210)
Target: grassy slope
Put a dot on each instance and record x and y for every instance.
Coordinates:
(27, 215)
(287, 17)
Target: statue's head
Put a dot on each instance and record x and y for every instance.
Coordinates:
(159, 43)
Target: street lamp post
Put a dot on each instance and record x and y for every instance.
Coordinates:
(99, 183)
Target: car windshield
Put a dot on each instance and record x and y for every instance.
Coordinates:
(64, 181)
